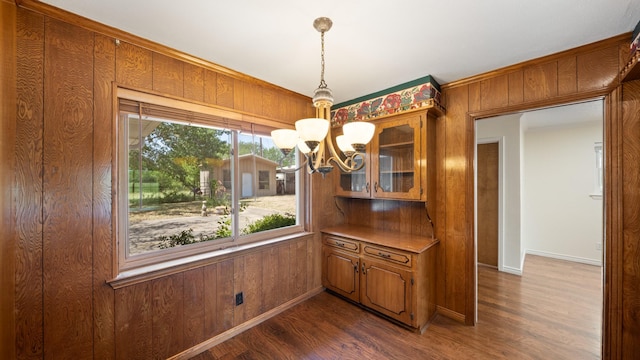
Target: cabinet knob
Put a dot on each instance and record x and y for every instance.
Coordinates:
(383, 255)
(375, 186)
(367, 187)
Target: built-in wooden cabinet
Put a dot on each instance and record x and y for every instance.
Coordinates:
(398, 160)
(386, 288)
(390, 273)
(395, 168)
(340, 259)
(357, 183)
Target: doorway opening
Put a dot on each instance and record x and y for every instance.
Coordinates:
(549, 189)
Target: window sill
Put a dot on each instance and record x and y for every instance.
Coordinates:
(150, 272)
(596, 196)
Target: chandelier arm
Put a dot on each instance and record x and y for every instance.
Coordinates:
(306, 161)
(318, 157)
(316, 160)
(352, 160)
(348, 162)
(335, 157)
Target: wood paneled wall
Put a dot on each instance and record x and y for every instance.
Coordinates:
(56, 248)
(29, 180)
(7, 170)
(625, 265)
(67, 146)
(57, 245)
(159, 318)
(409, 217)
(324, 213)
(613, 262)
(579, 74)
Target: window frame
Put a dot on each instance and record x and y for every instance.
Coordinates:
(598, 181)
(266, 182)
(127, 266)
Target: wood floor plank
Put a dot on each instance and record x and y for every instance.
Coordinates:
(553, 311)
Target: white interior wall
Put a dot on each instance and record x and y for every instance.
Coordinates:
(532, 220)
(508, 128)
(560, 219)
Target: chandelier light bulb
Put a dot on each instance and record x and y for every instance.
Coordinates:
(344, 144)
(359, 134)
(285, 139)
(312, 131)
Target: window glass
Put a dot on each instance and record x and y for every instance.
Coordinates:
(262, 206)
(264, 179)
(175, 181)
(187, 188)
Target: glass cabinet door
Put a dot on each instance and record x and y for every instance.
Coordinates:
(396, 166)
(356, 183)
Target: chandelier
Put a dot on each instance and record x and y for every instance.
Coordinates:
(313, 136)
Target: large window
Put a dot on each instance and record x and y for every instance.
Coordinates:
(193, 183)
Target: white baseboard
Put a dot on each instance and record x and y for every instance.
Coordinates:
(512, 270)
(565, 257)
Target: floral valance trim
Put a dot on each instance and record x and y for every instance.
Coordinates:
(411, 98)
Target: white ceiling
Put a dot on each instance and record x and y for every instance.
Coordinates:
(373, 44)
(567, 115)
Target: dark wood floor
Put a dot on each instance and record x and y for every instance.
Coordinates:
(552, 312)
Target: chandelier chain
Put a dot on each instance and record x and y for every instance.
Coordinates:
(323, 84)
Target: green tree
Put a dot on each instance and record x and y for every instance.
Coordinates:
(272, 153)
(178, 152)
(190, 172)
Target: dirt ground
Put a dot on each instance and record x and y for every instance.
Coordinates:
(169, 219)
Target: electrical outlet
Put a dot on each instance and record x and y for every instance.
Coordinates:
(239, 298)
(598, 246)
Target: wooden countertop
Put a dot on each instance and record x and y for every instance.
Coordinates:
(392, 239)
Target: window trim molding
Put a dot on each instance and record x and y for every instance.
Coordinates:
(124, 268)
(238, 117)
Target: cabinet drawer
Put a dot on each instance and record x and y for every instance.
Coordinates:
(392, 256)
(342, 243)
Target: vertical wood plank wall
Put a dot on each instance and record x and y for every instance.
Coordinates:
(67, 189)
(628, 261)
(58, 222)
(63, 239)
(575, 75)
(393, 215)
(613, 229)
(8, 63)
(28, 178)
(103, 300)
